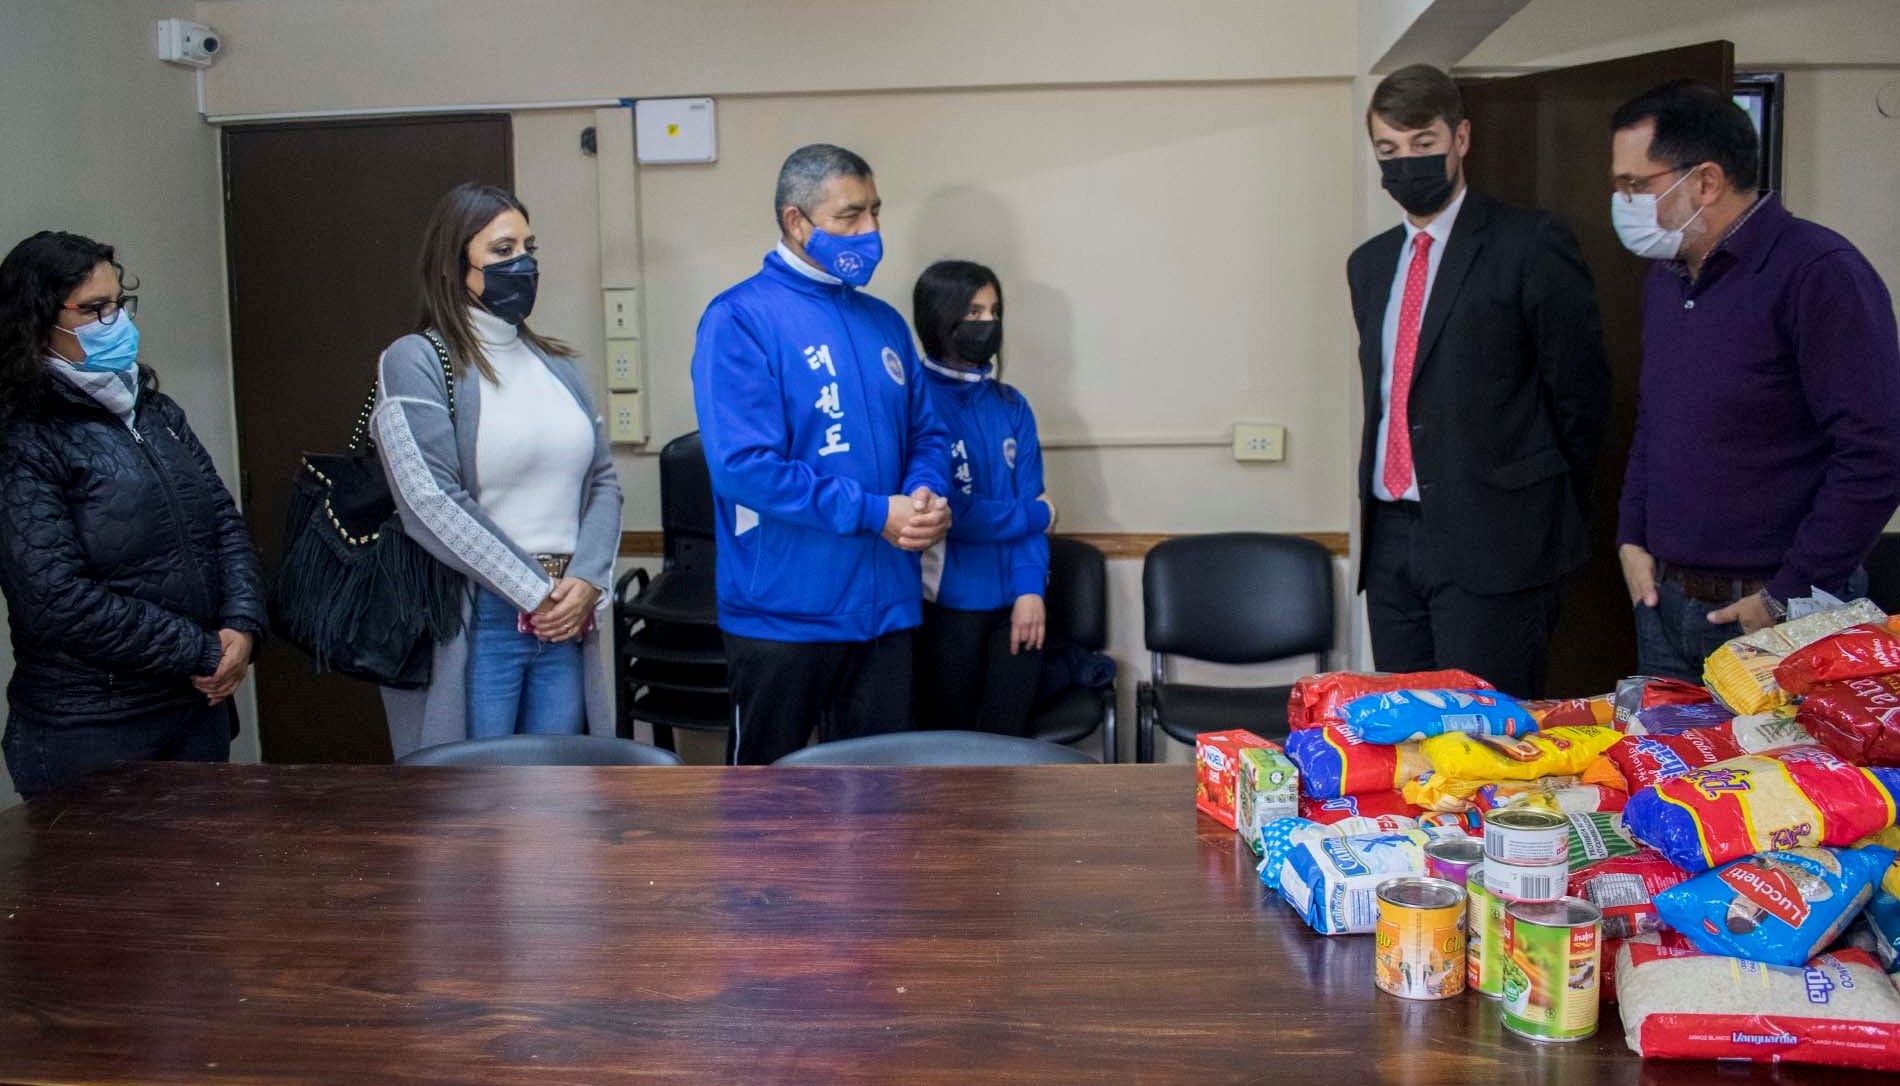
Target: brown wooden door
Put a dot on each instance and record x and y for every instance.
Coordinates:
(1543, 140)
(323, 225)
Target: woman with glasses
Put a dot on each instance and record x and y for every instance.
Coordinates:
(504, 474)
(132, 588)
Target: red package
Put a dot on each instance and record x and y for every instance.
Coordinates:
(1316, 699)
(1859, 720)
(1217, 771)
(1645, 759)
(1625, 887)
(1640, 692)
(1574, 712)
(1675, 941)
(1858, 652)
(1371, 805)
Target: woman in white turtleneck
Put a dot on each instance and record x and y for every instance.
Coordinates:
(506, 477)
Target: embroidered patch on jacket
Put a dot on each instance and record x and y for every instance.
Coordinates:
(1009, 452)
(893, 365)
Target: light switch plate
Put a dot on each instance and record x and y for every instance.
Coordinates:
(623, 313)
(623, 365)
(626, 418)
(1259, 441)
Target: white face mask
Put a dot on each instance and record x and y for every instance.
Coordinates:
(1641, 231)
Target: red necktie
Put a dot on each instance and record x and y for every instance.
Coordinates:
(1398, 430)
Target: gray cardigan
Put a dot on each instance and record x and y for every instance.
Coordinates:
(430, 463)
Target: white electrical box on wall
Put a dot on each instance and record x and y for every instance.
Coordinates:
(674, 130)
(626, 418)
(623, 365)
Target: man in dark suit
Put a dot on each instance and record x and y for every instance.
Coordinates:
(1486, 393)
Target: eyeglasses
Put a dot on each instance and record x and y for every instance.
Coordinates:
(108, 311)
(1628, 187)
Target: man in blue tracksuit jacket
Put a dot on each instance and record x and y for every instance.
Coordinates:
(829, 468)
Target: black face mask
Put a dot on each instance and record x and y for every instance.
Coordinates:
(508, 288)
(976, 342)
(1418, 183)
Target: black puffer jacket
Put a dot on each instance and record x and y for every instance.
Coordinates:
(121, 556)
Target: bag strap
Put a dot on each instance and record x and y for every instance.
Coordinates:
(359, 437)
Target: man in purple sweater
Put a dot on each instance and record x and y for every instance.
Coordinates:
(1766, 460)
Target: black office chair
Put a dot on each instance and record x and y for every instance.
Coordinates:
(542, 750)
(937, 748)
(1078, 615)
(1883, 573)
(1232, 598)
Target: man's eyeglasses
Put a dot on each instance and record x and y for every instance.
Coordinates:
(108, 311)
(1628, 187)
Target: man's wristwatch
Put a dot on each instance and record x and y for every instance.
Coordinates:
(1777, 610)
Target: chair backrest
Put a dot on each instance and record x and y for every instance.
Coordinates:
(1883, 573)
(686, 503)
(1238, 597)
(937, 748)
(543, 750)
(1078, 594)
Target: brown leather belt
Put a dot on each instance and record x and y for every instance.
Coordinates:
(1706, 586)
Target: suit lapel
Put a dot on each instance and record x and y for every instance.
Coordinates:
(1378, 293)
(1467, 237)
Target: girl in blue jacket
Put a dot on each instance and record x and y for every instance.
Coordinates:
(979, 651)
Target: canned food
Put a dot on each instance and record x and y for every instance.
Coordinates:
(1554, 963)
(1527, 835)
(1451, 858)
(1521, 882)
(1420, 939)
(1484, 933)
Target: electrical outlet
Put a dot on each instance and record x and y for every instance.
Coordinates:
(623, 313)
(626, 418)
(1259, 441)
(623, 365)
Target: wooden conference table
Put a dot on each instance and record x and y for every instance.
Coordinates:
(196, 924)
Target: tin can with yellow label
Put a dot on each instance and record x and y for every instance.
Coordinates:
(1554, 964)
(1419, 944)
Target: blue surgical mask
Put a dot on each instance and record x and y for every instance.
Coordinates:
(110, 348)
(851, 257)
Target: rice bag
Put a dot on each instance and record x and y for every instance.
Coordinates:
(1646, 759)
(1364, 805)
(1419, 714)
(1570, 712)
(1334, 761)
(1858, 719)
(1837, 1009)
(1606, 991)
(1792, 798)
(1317, 699)
(1559, 752)
(1759, 733)
(1676, 719)
(1564, 799)
(1779, 907)
(1332, 882)
(1280, 835)
(1640, 692)
(1625, 888)
(1742, 672)
(1858, 652)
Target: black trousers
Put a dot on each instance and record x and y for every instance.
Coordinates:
(782, 690)
(967, 679)
(1421, 621)
(43, 755)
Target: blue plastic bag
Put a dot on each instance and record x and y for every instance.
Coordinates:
(1780, 908)
(1421, 714)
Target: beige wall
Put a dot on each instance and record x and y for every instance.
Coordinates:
(356, 54)
(1767, 32)
(104, 140)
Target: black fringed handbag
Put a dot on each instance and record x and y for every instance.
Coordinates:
(353, 590)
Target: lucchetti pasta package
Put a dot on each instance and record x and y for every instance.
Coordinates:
(1779, 907)
(1335, 761)
(1800, 797)
(1420, 714)
(1317, 699)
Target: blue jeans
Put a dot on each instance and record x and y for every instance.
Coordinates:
(516, 681)
(43, 755)
(1675, 637)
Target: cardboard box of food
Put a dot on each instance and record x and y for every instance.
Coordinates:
(1217, 771)
(1269, 788)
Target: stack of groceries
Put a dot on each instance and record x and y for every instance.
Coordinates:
(1721, 863)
